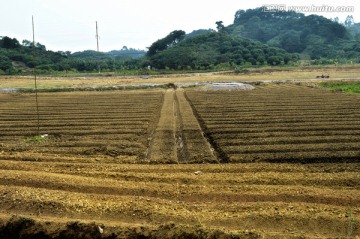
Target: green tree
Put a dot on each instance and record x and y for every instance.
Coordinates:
(209, 50)
(5, 63)
(219, 25)
(27, 43)
(349, 21)
(274, 60)
(9, 43)
(290, 30)
(40, 46)
(174, 58)
(253, 28)
(291, 42)
(170, 40)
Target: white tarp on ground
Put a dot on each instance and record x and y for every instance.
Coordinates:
(228, 86)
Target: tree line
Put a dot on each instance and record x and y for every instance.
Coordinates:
(17, 58)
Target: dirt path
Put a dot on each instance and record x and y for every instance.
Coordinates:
(178, 136)
(163, 142)
(196, 146)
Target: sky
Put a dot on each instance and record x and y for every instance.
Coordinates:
(70, 25)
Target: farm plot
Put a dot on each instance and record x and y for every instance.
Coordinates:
(281, 123)
(272, 200)
(79, 173)
(111, 126)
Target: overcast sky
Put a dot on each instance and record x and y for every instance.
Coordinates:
(63, 25)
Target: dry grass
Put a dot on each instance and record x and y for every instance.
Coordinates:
(265, 73)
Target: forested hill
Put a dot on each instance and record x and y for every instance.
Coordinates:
(258, 37)
(313, 35)
(17, 58)
(213, 50)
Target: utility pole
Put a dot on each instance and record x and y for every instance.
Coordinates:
(34, 72)
(97, 42)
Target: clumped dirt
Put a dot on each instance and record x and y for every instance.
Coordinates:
(280, 200)
(83, 125)
(281, 123)
(20, 227)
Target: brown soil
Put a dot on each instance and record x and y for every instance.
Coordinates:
(178, 137)
(163, 141)
(269, 199)
(281, 123)
(95, 167)
(105, 126)
(21, 227)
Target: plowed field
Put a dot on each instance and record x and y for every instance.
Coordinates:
(281, 123)
(107, 126)
(284, 161)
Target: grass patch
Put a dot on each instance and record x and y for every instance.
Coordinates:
(348, 87)
(37, 138)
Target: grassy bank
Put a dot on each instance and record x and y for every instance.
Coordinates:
(348, 87)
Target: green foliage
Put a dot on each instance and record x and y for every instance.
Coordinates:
(263, 26)
(9, 43)
(162, 44)
(37, 138)
(291, 41)
(354, 30)
(349, 21)
(348, 87)
(207, 51)
(127, 53)
(90, 55)
(219, 25)
(5, 63)
(198, 32)
(28, 57)
(311, 35)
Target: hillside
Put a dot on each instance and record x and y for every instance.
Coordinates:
(216, 49)
(313, 36)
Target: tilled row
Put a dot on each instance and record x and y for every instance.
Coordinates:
(281, 123)
(107, 124)
(234, 197)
